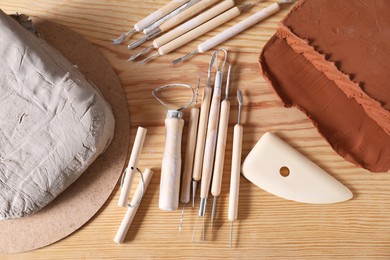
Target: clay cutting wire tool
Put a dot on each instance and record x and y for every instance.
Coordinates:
(236, 168)
(185, 27)
(174, 21)
(211, 139)
(185, 192)
(198, 31)
(221, 147)
(171, 162)
(235, 29)
(173, 6)
(201, 138)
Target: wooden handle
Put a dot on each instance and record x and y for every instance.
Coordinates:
(221, 147)
(211, 138)
(189, 159)
(186, 14)
(235, 174)
(130, 213)
(163, 11)
(198, 31)
(133, 163)
(171, 165)
(239, 27)
(194, 22)
(201, 138)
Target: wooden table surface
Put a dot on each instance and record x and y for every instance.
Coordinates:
(268, 226)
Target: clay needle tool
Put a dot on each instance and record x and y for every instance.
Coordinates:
(174, 21)
(221, 146)
(201, 138)
(211, 140)
(189, 159)
(198, 31)
(131, 211)
(235, 29)
(186, 27)
(171, 162)
(131, 167)
(236, 168)
(150, 19)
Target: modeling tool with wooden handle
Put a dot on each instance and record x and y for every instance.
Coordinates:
(131, 167)
(195, 33)
(235, 29)
(185, 192)
(174, 21)
(171, 162)
(131, 211)
(221, 147)
(201, 138)
(150, 19)
(281, 170)
(211, 139)
(186, 27)
(236, 168)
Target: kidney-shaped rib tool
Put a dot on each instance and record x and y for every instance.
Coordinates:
(279, 169)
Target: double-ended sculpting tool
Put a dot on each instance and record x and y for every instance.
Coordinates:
(235, 29)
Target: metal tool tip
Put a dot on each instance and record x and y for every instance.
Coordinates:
(213, 211)
(122, 38)
(185, 57)
(137, 43)
(194, 188)
(148, 58)
(239, 97)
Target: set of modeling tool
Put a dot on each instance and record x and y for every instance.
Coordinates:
(180, 29)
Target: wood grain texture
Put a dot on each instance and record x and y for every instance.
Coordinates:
(268, 227)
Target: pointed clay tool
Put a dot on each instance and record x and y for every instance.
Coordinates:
(279, 169)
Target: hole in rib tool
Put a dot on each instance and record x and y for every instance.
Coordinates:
(186, 27)
(211, 139)
(221, 147)
(171, 162)
(235, 29)
(129, 173)
(201, 138)
(236, 168)
(195, 8)
(150, 19)
(185, 193)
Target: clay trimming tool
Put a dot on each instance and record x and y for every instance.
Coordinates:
(235, 29)
(211, 138)
(131, 211)
(198, 31)
(236, 168)
(174, 21)
(185, 27)
(279, 169)
(185, 192)
(130, 171)
(221, 147)
(171, 162)
(201, 138)
(150, 19)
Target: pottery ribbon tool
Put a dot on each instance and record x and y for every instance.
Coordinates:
(131, 211)
(171, 162)
(201, 138)
(198, 31)
(211, 138)
(236, 168)
(279, 169)
(174, 21)
(130, 171)
(185, 192)
(150, 19)
(187, 26)
(235, 29)
(221, 146)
